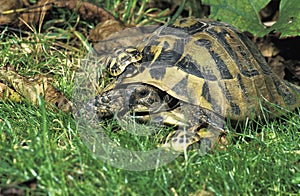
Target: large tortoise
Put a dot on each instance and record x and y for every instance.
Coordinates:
(194, 74)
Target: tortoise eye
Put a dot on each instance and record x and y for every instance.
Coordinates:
(134, 52)
(105, 99)
(143, 93)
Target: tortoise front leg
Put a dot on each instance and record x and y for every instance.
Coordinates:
(197, 137)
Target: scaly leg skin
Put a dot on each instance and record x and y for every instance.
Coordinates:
(181, 140)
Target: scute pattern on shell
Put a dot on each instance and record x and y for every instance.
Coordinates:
(195, 74)
(212, 65)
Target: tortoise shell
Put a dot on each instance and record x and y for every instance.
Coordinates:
(212, 65)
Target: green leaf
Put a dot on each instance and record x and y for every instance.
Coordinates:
(289, 19)
(243, 14)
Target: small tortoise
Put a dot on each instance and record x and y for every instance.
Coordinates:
(194, 74)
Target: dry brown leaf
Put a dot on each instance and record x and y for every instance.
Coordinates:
(8, 93)
(18, 189)
(6, 5)
(267, 48)
(271, 53)
(105, 29)
(277, 65)
(32, 88)
(128, 37)
(33, 14)
(202, 192)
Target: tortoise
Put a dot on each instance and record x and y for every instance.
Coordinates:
(195, 74)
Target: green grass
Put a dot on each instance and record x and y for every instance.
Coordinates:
(44, 144)
(37, 142)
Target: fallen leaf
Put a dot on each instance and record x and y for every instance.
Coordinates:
(8, 93)
(18, 189)
(7, 13)
(32, 88)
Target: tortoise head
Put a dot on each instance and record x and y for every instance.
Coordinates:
(122, 57)
(138, 99)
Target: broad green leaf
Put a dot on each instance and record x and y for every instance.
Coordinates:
(289, 19)
(243, 14)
